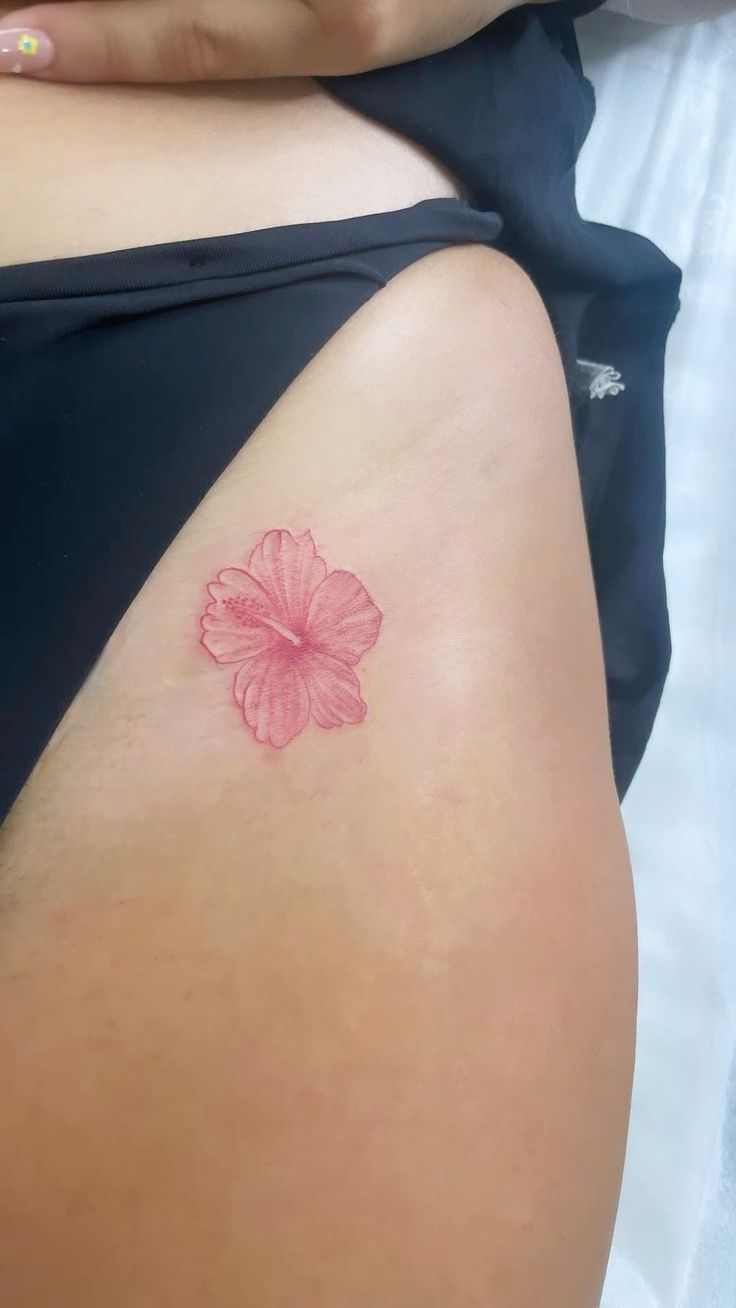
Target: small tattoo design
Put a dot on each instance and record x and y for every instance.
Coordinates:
(296, 632)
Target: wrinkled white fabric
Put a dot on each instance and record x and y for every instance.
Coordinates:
(672, 11)
(661, 159)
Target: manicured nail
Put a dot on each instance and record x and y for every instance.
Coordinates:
(24, 50)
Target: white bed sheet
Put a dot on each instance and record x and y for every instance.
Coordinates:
(662, 160)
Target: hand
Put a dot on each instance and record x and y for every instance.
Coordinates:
(212, 40)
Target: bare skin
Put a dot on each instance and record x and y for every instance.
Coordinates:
(349, 1022)
(173, 163)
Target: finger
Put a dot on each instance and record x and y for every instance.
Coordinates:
(161, 41)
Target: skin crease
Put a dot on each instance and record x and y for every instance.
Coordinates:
(369, 999)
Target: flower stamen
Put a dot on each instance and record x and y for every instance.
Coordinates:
(282, 630)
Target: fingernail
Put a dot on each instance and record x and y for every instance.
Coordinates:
(24, 50)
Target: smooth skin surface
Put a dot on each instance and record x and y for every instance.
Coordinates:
(176, 163)
(350, 1022)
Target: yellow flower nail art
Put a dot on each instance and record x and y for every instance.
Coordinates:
(27, 44)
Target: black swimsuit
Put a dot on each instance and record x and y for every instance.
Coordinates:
(128, 381)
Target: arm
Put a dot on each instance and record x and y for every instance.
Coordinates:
(215, 40)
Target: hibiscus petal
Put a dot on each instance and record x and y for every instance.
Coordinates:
(236, 583)
(231, 624)
(334, 692)
(343, 620)
(232, 646)
(289, 569)
(272, 694)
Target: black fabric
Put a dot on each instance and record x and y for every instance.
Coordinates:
(128, 381)
(576, 8)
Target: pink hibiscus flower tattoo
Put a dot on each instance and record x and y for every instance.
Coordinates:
(296, 631)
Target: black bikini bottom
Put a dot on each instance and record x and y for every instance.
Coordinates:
(128, 382)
